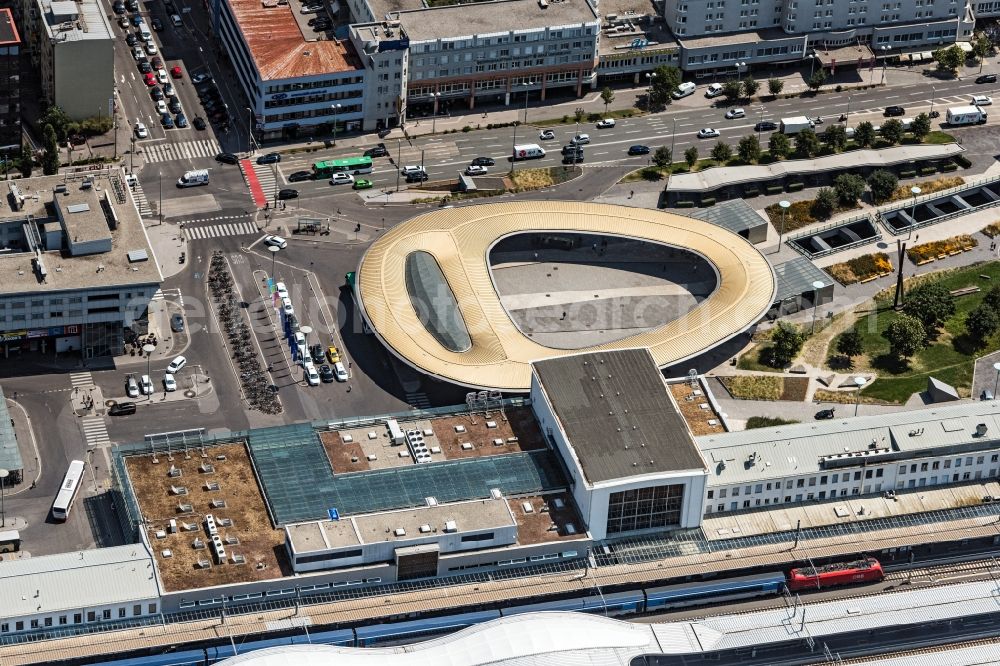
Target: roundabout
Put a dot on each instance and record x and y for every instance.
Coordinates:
(427, 290)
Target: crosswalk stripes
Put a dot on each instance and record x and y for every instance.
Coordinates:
(418, 400)
(81, 379)
(219, 230)
(94, 430)
(175, 295)
(184, 150)
(141, 202)
(266, 176)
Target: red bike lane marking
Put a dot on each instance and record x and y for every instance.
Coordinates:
(256, 190)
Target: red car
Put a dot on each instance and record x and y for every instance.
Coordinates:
(150, 79)
(176, 72)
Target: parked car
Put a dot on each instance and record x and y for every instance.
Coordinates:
(483, 161)
(176, 323)
(300, 176)
(122, 409)
(765, 126)
(735, 113)
(326, 374)
(201, 78)
(118, 7)
(606, 123)
(340, 371)
(270, 158)
(156, 62)
(287, 193)
(286, 306)
(894, 111)
(161, 76)
(168, 90)
(714, 90)
(169, 383)
(145, 67)
(377, 151)
(161, 106)
(150, 79)
(174, 105)
(986, 78)
(131, 387)
(341, 179)
(310, 374)
(362, 184)
(275, 241)
(638, 150)
(227, 158)
(131, 39)
(332, 355)
(825, 414)
(281, 290)
(182, 120)
(166, 121)
(157, 24)
(707, 133)
(176, 20)
(146, 385)
(316, 352)
(176, 365)
(986, 395)
(546, 135)
(176, 72)
(473, 170)
(199, 123)
(124, 24)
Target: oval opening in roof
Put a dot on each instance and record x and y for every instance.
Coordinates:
(434, 302)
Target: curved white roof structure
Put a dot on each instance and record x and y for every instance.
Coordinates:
(465, 336)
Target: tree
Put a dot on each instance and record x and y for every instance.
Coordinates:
(786, 342)
(50, 162)
(55, 116)
(982, 47)
(27, 161)
(849, 188)
(749, 149)
(691, 156)
(750, 86)
(817, 79)
(930, 304)
(892, 131)
(992, 298)
(779, 146)
(905, 336)
(775, 86)
(882, 184)
(864, 134)
(949, 59)
(850, 343)
(607, 96)
(662, 157)
(806, 143)
(824, 204)
(663, 82)
(982, 322)
(835, 136)
(732, 90)
(921, 126)
(722, 152)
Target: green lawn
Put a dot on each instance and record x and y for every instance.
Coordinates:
(938, 137)
(950, 358)
(751, 359)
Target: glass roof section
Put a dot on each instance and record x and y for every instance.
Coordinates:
(434, 302)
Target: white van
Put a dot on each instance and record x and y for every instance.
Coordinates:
(714, 90)
(528, 151)
(193, 178)
(144, 33)
(684, 89)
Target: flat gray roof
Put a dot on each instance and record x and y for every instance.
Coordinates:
(83, 579)
(748, 37)
(65, 272)
(486, 18)
(807, 448)
(710, 179)
(796, 276)
(617, 414)
(92, 23)
(736, 215)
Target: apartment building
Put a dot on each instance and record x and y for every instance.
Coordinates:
(10, 84)
(384, 52)
(72, 46)
(77, 267)
(735, 35)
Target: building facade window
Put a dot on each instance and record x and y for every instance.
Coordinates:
(645, 508)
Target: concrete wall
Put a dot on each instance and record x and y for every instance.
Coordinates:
(84, 74)
(66, 618)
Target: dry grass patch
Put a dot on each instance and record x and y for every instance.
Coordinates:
(925, 252)
(992, 230)
(927, 187)
(754, 387)
(861, 269)
(532, 179)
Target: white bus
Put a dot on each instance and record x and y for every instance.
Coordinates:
(67, 491)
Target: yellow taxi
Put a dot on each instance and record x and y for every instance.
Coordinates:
(332, 355)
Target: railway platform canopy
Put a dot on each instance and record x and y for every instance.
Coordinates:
(427, 290)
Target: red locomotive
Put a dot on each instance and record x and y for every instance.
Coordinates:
(867, 570)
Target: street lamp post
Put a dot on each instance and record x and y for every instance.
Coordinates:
(915, 191)
(817, 285)
(784, 205)
(250, 131)
(3, 482)
(847, 116)
(885, 61)
(526, 94)
(434, 111)
(812, 64)
(859, 381)
(933, 97)
(760, 123)
(996, 384)
(159, 206)
(335, 107)
(148, 350)
(273, 249)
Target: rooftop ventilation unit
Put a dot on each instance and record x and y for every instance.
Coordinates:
(451, 526)
(981, 430)
(399, 531)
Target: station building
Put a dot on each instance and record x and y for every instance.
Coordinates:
(76, 266)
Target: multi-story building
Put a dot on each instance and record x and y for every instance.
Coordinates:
(10, 84)
(735, 35)
(77, 267)
(634, 41)
(384, 52)
(73, 50)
